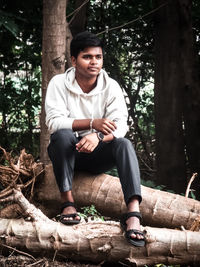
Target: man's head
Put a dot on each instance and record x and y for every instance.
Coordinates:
(83, 40)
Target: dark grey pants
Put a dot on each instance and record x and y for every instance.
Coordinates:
(119, 152)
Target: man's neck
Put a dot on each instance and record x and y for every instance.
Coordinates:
(87, 85)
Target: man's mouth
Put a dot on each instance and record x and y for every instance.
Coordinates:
(93, 69)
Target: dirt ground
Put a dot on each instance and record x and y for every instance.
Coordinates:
(42, 262)
(23, 261)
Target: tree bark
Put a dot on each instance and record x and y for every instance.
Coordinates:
(159, 208)
(96, 241)
(190, 77)
(170, 154)
(68, 42)
(53, 56)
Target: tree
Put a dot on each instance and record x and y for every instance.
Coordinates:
(53, 56)
(171, 168)
(191, 84)
(177, 97)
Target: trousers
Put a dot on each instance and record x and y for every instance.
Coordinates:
(118, 153)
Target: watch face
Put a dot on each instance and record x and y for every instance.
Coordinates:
(100, 136)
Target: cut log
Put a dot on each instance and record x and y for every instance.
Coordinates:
(159, 208)
(96, 241)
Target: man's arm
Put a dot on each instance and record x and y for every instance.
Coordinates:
(104, 125)
(89, 142)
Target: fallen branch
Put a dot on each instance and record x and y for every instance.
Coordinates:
(189, 184)
(19, 170)
(18, 251)
(21, 173)
(29, 209)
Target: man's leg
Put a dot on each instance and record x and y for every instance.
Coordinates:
(62, 152)
(119, 153)
(129, 174)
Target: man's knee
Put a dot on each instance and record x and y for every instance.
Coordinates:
(63, 137)
(62, 134)
(123, 142)
(123, 145)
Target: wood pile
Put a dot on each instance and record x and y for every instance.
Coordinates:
(29, 198)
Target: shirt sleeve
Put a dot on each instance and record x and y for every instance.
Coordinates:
(116, 110)
(57, 113)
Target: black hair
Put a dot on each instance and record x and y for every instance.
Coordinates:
(83, 40)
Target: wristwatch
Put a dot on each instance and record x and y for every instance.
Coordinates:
(100, 136)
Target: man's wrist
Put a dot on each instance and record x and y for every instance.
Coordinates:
(100, 136)
(91, 128)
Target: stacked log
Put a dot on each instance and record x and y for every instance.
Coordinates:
(97, 241)
(167, 219)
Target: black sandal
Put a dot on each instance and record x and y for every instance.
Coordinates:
(71, 215)
(134, 241)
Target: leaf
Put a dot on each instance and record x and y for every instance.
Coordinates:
(11, 27)
(8, 21)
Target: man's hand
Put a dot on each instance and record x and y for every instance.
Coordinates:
(104, 125)
(88, 143)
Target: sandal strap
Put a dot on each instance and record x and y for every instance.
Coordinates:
(67, 204)
(134, 214)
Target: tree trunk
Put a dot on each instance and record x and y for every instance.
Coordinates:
(53, 56)
(68, 41)
(96, 241)
(170, 154)
(190, 76)
(158, 208)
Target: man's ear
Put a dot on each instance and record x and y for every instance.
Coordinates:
(73, 60)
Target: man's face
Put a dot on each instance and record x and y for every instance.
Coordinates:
(88, 62)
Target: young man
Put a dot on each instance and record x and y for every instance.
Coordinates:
(87, 117)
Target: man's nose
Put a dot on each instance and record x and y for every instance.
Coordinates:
(93, 60)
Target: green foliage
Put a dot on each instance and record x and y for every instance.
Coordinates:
(192, 195)
(7, 21)
(113, 172)
(151, 184)
(19, 112)
(90, 211)
(20, 74)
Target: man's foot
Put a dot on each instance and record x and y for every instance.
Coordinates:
(130, 222)
(134, 223)
(69, 214)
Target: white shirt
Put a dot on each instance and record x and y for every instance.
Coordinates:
(65, 102)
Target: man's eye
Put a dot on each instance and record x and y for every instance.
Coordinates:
(86, 57)
(99, 57)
